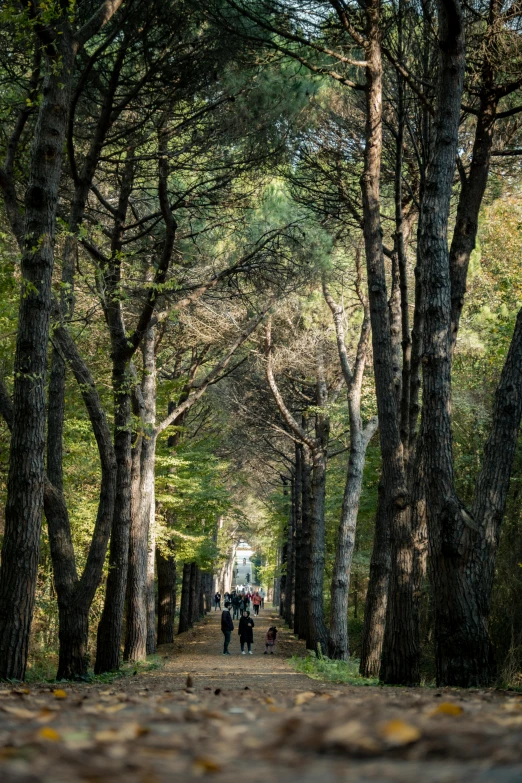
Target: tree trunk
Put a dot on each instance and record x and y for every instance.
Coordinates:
(460, 635)
(303, 600)
(338, 643)
(136, 620)
(184, 610)
(377, 594)
(298, 587)
(166, 567)
(151, 583)
(75, 594)
(290, 560)
(25, 484)
(394, 477)
(317, 633)
(282, 578)
(73, 639)
(200, 594)
(143, 511)
(111, 623)
(193, 602)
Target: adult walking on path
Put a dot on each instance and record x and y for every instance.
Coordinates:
(236, 603)
(256, 602)
(246, 633)
(227, 626)
(217, 601)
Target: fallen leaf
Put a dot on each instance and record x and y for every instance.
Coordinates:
(351, 735)
(60, 694)
(19, 712)
(49, 734)
(114, 708)
(46, 715)
(127, 731)
(512, 706)
(448, 708)
(206, 765)
(303, 697)
(398, 732)
(269, 700)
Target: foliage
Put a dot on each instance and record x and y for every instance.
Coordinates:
(318, 667)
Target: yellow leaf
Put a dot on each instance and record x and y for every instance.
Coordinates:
(269, 700)
(398, 732)
(448, 708)
(59, 694)
(47, 733)
(303, 697)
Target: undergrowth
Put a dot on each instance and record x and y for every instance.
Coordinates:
(44, 671)
(318, 667)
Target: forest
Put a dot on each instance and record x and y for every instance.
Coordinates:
(261, 280)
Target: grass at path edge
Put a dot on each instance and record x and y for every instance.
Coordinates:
(318, 667)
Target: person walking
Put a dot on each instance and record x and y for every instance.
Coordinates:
(236, 601)
(256, 602)
(227, 626)
(246, 634)
(262, 594)
(217, 601)
(270, 640)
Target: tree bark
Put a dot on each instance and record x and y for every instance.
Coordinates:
(166, 567)
(138, 591)
(25, 483)
(401, 666)
(193, 600)
(298, 586)
(290, 559)
(184, 610)
(303, 600)
(460, 635)
(151, 584)
(377, 594)
(360, 436)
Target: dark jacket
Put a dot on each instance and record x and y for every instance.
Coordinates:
(246, 635)
(226, 621)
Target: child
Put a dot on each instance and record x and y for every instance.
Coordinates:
(270, 640)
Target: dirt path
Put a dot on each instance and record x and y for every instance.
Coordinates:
(253, 717)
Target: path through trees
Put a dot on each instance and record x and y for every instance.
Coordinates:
(202, 714)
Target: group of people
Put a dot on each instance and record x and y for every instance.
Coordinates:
(240, 601)
(245, 629)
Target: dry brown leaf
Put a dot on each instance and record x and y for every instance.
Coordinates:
(269, 700)
(398, 732)
(205, 765)
(46, 715)
(19, 712)
(60, 694)
(113, 708)
(351, 735)
(303, 697)
(127, 731)
(48, 734)
(512, 706)
(448, 708)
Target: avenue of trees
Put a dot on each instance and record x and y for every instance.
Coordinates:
(260, 278)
